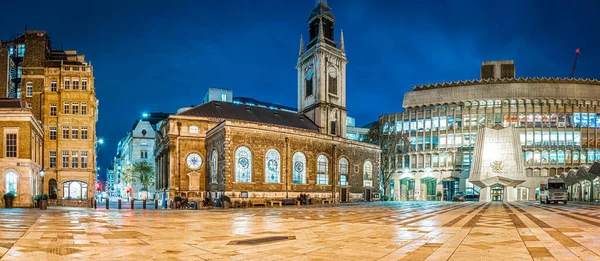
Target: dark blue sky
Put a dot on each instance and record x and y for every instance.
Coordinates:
(161, 55)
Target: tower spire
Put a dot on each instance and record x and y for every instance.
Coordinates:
(342, 40)
(301, 46)
(321, 1)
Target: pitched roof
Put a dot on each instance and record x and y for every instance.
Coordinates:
(11, 103)
(227, 110)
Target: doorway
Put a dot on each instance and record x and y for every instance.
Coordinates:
(497, 193)
(450, 188)
(343, 196)
(368, 195)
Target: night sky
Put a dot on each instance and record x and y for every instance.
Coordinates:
(161, 55)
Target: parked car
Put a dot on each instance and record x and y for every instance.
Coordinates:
(459, 196)
(472, 197)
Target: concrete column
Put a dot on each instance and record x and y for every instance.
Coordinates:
(462, 184)
(484, 195)
(509, 194)
(397, 187)
(418, 196)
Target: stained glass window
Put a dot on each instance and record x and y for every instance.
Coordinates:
(11, 183)
(243, 169)
(299, 174)
(368, 174)
(322, 170)
(272, 166)
(213, 167)
(343, 172)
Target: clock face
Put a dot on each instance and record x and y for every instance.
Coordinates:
(194, 161)
(332, 72)
(309, 74)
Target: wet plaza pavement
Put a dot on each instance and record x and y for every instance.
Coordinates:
(368, 231)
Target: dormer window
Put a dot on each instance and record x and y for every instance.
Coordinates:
(194, 129)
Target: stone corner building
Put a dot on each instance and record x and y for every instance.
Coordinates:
(20, 152)
(221, 147)
(58, 86)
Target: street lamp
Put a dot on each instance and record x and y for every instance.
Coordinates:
(42, 205)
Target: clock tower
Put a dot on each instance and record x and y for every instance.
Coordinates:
(322, 73)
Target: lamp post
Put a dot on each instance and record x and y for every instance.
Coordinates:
(42, 200)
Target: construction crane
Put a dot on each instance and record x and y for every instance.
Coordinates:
(575, 62)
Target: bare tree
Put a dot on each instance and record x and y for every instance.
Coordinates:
(393, 144)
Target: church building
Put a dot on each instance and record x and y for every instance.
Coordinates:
(221, 147)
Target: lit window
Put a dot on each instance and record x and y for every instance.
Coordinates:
(223, 97)
(84, 84)
(194, 129)
(84, 133)
(74, 133)
(299, 174)
(67, 84)
(53, 159)
(52, 109)
(343, 172)
(243, 169)
(29, 90)
(368, 174)
(75, 83)
(84, 159)
(52, 133)
(65, 133)
(65, 159)
(84, 108)
(74, 189)
(21, 50)
(66, 108)
(213, 167)
(53, 86)
(272, 160)
(74, 159)
(75, 106)
(11, 183)
(322, 170)
(11, 145)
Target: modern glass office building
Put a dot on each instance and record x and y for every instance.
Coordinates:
(557, 120)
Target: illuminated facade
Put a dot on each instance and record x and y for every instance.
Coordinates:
(58, 86)
(556, 121)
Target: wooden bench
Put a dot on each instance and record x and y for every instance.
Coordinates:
(275, 202)
(258, 201)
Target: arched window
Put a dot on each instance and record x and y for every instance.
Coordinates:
(299, 175)
(213, 167)
(11, 182)
(368, 174)
(243, 169)
(194, 129)
(343, 172)
(322, 170)
(272, 161)
(74, 189)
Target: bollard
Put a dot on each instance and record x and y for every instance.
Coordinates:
(107, 203)
(94, 202)
(132, 200)
(119, 203)
(155, 203)
(144, 203)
